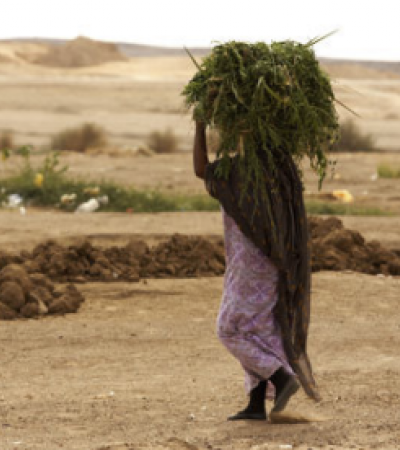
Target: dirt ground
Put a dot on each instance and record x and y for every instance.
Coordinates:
(140, 367)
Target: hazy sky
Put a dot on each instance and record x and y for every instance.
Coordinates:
(368, 29)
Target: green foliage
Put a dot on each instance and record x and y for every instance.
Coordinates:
(340, 209)
(351, 139)
(163, 141)
(80, 139)
(265, 98)
(385, 171)
(46, 185)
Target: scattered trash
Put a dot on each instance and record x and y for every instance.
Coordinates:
(22, 210)
(103, 200)
(337, 176)
(104, 396)
(14, 200)
(343, 195)
(38, 182)
(67, 199)
(374, 177)
(87, 207)
(92, 191)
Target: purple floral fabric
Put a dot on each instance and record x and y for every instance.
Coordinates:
(246, 324)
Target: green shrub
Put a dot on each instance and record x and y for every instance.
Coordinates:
(80, 139)
(163, 141)
(385, 171)
(46, 185)
(340, 209)
(353, 140)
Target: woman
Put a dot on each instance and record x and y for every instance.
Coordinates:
(264, 315)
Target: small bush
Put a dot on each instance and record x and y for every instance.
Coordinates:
(385, 171)
(163, 141)
(353, 140)
(391, 116)
(80, 139)
(6, 140)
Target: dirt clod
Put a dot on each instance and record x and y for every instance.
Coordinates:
(41, 297)
(12, 295)
(17, 273)
(7, 313)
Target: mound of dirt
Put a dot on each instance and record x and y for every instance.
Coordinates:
(26, 288)
(26, 296)
(336, 248)
(80, 52)
(84, 262)
(180, 256)
(184, 257)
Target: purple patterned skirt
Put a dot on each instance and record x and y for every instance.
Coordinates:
(246, 324)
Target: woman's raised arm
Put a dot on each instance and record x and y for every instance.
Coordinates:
(200, 157)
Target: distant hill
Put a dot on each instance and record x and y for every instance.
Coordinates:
(121, 50)
(80, 52)
(128, 50)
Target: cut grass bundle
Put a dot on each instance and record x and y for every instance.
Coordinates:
(385, 171)
(270, 98)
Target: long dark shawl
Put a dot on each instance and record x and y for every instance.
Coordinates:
(281, 233)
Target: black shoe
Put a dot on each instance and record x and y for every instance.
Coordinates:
(248, 415)
(283, 396)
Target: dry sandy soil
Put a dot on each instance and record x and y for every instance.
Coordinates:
(132, 98)
(139, 366)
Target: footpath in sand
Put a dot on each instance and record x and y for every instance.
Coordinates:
(140, 367)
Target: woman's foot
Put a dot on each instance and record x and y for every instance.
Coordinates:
(248, 415)
(286, 386)
(256, 407)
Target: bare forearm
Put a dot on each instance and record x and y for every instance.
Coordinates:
(200, 157)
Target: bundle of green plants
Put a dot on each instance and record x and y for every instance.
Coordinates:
(272, 98)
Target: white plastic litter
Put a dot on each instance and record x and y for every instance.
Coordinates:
(343, 195)
(103, 199)
(67, 198)
(22, 210)
(87, 207)
(374, 177)
(14, 200)
(94, 190)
